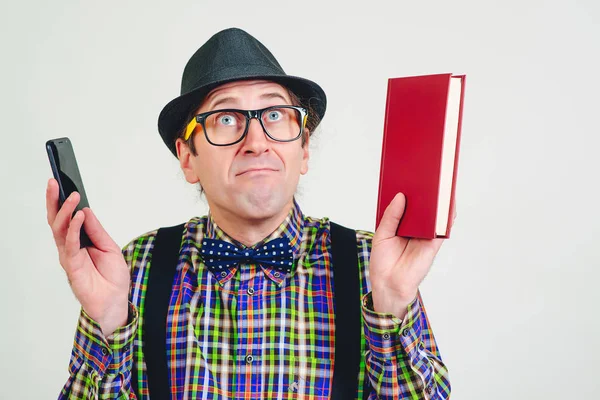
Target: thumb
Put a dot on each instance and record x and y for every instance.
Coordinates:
(96, 233)
(388, 226)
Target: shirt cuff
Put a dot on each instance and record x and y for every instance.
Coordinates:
(112, 354)
(388, 334)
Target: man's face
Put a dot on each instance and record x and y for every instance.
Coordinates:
(255, 178)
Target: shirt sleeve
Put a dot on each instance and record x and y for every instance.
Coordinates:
(402, 359)
(100, 367)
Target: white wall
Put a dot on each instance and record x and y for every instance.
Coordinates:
(512, 296)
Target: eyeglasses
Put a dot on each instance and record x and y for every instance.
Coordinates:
(230, 126)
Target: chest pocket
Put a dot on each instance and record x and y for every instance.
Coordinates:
(310, 378)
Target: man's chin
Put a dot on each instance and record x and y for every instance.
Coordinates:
(262, 203)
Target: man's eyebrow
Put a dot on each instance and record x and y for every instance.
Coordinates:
(273, 95)
(221, 101)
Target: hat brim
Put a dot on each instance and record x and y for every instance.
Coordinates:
(173, 116)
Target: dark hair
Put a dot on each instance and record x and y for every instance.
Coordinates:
(311, 122)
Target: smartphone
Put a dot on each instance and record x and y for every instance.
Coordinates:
(66, 172)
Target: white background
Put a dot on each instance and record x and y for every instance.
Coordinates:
(512, 296)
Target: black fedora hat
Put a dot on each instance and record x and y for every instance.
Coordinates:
(230, 55)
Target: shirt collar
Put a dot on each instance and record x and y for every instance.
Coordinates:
(291, 228)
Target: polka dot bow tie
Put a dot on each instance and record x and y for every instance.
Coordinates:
(218, 255)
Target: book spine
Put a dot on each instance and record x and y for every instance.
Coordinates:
(380, 208)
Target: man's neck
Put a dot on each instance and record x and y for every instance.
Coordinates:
(245, 230)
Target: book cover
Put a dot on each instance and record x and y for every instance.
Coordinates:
(421, 142)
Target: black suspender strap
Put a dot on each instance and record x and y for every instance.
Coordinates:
(344, 254)
(165, 256)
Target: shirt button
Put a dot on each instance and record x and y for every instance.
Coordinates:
(126, 347)
(406, 333)
(223, 274)
(294, 387)
(386, 336)
(250, 291)
(249, 359)
(276, 274)
(104, 351)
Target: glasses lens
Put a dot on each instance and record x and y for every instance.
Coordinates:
(282, 123)
(225, 127)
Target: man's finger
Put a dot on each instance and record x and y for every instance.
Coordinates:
(72, 239)
(96, 233)
(388, 226)
(60, 225)
(51, 200)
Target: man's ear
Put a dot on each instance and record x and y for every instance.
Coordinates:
(305, 152)
(185, 156)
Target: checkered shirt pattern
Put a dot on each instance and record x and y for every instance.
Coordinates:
(255, 333)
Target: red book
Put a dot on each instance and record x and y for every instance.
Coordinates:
(419, 158)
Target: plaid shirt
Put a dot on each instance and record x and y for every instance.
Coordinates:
(285, 322)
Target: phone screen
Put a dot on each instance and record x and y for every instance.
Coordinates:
(66, 172)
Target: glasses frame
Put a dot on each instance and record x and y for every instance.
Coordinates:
(249, 114)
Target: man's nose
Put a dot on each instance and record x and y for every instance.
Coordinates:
(256, 141)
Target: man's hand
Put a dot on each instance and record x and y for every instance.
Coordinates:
(398, 265)
(99, 275)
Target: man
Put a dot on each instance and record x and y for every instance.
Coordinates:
(251, 305)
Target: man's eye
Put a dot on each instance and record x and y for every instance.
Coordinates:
(274, 115)
(227, 119)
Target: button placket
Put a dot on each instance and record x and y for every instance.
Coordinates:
(249, 296)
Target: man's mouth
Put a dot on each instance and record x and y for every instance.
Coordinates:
(256, 170)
